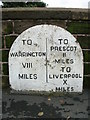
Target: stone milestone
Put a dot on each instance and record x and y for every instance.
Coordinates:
(46, 58)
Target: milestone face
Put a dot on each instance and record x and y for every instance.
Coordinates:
(46, 58)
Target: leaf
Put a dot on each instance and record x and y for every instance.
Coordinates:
(68, 118)
(49, 99)
(40, 114)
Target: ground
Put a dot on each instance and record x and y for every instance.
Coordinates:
(22, 106)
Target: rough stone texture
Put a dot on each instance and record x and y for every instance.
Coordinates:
(86, 83)
(86, 54)
(7, 27)
(2, 44)
(5, 54)
(79, 27)
(44, 13)
(39, 77)
(86, 69)
(5, 69)
(5, 81)
(22, 25)
(79, 15)
(63, 107)
(84, 41)
(9, 40)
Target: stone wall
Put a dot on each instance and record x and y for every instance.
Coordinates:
(16, 20)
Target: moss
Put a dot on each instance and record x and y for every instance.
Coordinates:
(86, 83)
(84, 41)
(86, 56)
(5, 69)
(7, 27)
(10, 40)
(2, 43)
(5, 54)
(78, 27)
(45, 93)
(86, 69)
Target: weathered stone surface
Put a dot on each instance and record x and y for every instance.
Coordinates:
(86, 82)
(46, 58)
(7, 27)
(45, 13)
(79, 27)
(21, 25)
(77, 15)
(5, 54)
(87, 69)
(5, 81)
(84, 41)
(2, 43)
(5, 69)
(63, 107)
(86, 55)
(9, 40)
